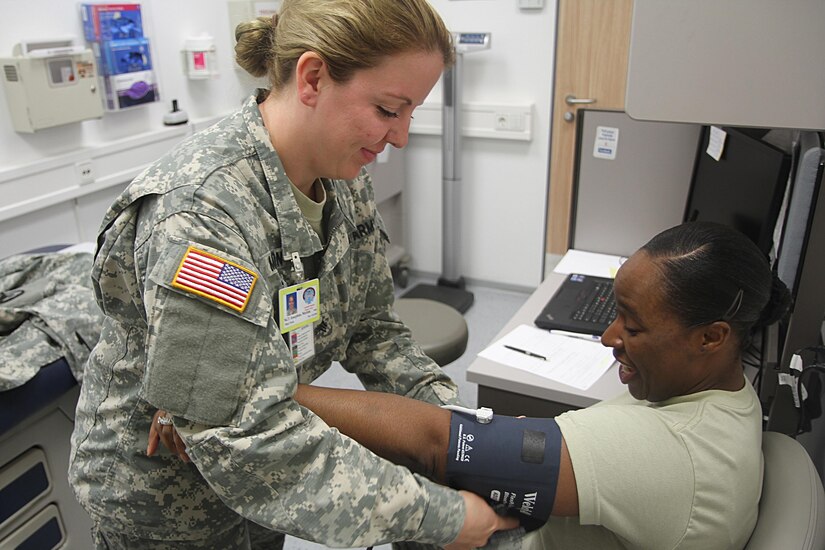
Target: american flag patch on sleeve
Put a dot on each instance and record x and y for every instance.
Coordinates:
(214, 278)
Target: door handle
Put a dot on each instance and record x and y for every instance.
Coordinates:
(572, 100)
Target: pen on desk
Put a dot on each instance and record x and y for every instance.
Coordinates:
(579, 335)
(525, 352)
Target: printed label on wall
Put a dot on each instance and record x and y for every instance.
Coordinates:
(607, 139)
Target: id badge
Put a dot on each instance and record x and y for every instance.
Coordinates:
(302, 343)
(299, 305)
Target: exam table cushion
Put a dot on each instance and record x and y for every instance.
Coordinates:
(49, 321)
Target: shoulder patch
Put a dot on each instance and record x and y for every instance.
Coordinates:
(214, 278)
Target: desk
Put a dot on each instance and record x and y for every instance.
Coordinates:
(512, 391)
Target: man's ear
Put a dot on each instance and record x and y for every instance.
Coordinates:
(309, 70)
(715, 335)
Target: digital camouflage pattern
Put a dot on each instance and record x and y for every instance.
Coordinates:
(227, 376)
(47, 312)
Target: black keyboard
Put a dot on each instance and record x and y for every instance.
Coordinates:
(599, 307)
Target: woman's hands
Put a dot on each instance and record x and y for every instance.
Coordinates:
(480, 523)
(164, 431)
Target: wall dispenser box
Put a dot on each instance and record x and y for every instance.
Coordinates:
(103, 22)
(130, 89)
(50, 83)
(200, 57)
(123, 56)
(123, 53)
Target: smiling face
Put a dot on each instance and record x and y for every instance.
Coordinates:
(359, 117)
(660, 357)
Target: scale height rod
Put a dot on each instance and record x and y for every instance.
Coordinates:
(451, 171)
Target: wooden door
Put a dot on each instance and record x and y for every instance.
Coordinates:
(592, 44)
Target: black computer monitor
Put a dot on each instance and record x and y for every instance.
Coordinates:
(743, 189)
(807, 175)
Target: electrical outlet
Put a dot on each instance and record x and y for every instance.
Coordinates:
(85, 171)
(509, 122)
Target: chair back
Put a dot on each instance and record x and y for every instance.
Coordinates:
(792, 505)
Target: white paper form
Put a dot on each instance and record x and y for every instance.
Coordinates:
(571, 361)
(589, 263)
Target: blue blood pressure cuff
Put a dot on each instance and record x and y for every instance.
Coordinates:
(511, 462)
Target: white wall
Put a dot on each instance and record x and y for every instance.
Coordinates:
(505, 182)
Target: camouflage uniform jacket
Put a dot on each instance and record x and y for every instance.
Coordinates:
(226, 374)
(47, 312)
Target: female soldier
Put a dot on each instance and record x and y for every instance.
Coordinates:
(194, 263)
(674, 463)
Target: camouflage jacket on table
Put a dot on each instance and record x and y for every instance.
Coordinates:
(47, 312)
(226, 374)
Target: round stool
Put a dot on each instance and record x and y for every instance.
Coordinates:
(439, 329)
